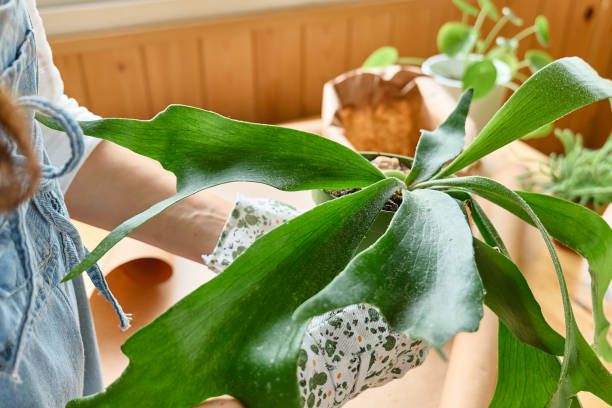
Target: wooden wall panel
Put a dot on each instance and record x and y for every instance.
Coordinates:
(558, 15)
(601, 128)
(176, 66)
(71, 68)
(367, 33)
(325, 56)
(227, 57)
(579, 27)
(586, 29)
(443, 11)
(412, 34)
(116, 83)
(271, 67)
(527, 10)
(278, 72)
(591, 19)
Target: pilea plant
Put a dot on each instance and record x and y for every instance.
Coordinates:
(240, 333)
(580, 175)
(473, 58)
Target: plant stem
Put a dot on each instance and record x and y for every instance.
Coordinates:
(494, 31)
(520, 76)
(524, 33)
(522, 64)
(410, 61)
(433, 182)
(464, 18)
(479, 20)
(511, 85)
(477, 26)
(395, 173)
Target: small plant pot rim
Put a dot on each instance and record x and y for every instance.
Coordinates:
(429, 68)
(383, 219)
(320, 196)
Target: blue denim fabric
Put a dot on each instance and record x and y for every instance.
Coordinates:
(48, 351)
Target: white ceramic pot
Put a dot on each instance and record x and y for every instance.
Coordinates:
(448, 71)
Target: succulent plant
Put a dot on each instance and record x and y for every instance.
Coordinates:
(580, 175)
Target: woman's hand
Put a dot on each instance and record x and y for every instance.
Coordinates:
(343, 352)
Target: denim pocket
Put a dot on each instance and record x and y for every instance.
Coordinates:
(41, 349)
(13, 275)
(16, 291)
(32, 261)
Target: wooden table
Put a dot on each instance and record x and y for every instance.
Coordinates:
(467, 379)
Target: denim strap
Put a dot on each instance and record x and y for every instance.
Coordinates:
(95, 274)
(75, 135)
(71, 128)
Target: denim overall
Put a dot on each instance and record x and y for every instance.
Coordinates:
(48, 351)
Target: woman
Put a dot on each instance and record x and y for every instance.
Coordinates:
(48, 352)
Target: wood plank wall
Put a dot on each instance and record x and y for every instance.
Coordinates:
(270, 67)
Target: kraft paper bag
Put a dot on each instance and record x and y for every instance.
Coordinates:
(385, 109)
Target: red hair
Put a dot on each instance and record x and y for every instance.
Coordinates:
(17, 183)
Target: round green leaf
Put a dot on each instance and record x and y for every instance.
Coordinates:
(541, 27)
(508, 43)
(382, 57)
(481, 76)
(489, 8)
(502, 54)
(506, 11)
(537, 59)
(454, 38)
(480, 46)
(466, 8)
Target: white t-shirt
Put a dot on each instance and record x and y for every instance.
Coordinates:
(51, 87)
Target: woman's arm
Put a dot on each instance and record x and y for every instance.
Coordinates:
(115, 183)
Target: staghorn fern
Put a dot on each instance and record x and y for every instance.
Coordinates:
(240, 333)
